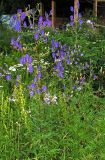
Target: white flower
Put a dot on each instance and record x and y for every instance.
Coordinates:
(79, 88)
(47, 98)
(12, 99)
(47, 34)
(46, 63)
(42, 60)
(54, 99)
(71, 95)
(12, 68)
(50, 99)
(19, 65)
(89, 21)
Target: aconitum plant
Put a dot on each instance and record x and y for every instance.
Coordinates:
(28, 61)
(16, 44)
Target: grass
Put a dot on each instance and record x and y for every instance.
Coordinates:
(69, 128)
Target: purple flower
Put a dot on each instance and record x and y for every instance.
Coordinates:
(56, 44)
(82, 80)
(38, 91)
(19, 11)
(36, 36)
(12, 41)
(55, 68)
(42, 33)
(59, 64)
(18, 77)
(49, 23)
(68, 61)
(18, 26)
(53, 42)
(80, 22)
(61, 74)
(23, 60)
(14, 17)
(39, 75)
(35, 79)
(72, 9)
(25, 24)
(45, 40)
(50, 12)
(94, 77)
(80, 15)
(30, 68)
(78, 5)
(30, 60)
(30, 24)
(44, 88)
(28, 87)
(74, 87)
(71, 18)
(40, 19)
(8, 77)
(27, 57)
(17, 84)
(0, 74)
(40, 22)
(31, 93)
(23, 15)
(53, 55)
(86, 66)
(19, 46)
(33, 86)
(38, 67)
(44, 23)
(72, 24)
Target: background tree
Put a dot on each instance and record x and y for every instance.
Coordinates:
(11, 6)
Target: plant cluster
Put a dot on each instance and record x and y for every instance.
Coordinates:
(52, 93)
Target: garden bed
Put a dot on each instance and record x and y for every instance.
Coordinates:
(52, 93)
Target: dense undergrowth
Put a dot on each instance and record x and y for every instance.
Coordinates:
(52, 94)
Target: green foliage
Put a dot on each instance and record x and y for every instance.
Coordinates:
(73, 128)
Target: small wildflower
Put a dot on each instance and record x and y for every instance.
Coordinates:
(39, 75)
(79, 88)
(30, 68)
(31, 93)
(18, 77)
(8, 77)
(80, 22)
(12, 69)
(47, 98)
(12, 99)
(72, 9)
(33, 86)
(0, 74)
(38, 91)
(54, 99)
(71, 18)
(36, 36)
(35, 79)
(94, 77)
(44, 88)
